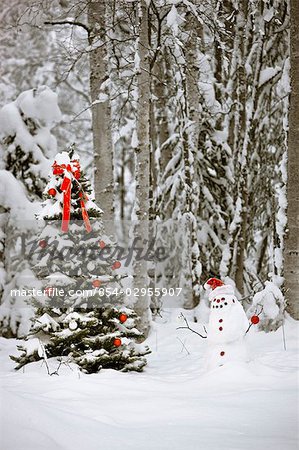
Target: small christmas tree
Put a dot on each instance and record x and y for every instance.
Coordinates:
(80, 313)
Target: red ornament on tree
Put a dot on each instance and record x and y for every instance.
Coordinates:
(102, 244)
(52, 192)
(42, 243)
(123, 317)
(255, 320)
(116, 265)
(117, 342)
(96, 283)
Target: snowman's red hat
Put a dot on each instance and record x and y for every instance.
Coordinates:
(218, 288)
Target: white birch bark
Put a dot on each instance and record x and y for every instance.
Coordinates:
(101, 110)
(142, 303)
(291, 253)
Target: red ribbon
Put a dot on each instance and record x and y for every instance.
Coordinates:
(70, 171)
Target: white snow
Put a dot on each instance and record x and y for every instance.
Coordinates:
(13, 197)
(268, 14)
(134, 140)
(40, 104)
(267, 74)
(268, 299)
(173, 405)
(173, 19)
(16, 311)
(46, 322)
(59, 278)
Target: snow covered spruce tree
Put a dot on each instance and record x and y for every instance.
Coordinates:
(27, 140)
(26, 145)
(81, 314)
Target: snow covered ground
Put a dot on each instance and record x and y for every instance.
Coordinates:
(173, 405)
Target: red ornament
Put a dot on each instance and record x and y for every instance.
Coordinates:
(43, 243)
(255, 320)
(117, 342)
(222, 353)
(102, 244)
(96, 283)
(123, 317)
(220, 328)
(52, 192)
(116, 265)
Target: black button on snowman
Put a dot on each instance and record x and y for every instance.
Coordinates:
(227, 327)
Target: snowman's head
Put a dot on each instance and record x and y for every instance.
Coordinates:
(221, 296)
(223, 302)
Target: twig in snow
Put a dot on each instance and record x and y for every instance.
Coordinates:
(45, 361)
(188, 327)
(183, 345)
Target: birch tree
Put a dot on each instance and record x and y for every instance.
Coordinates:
(142, 162)
(291, 254)
(101, 107)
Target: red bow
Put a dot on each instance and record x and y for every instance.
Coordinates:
(70, 171)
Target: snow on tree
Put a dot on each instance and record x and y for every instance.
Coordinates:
(57, 58)
(17, 220)
(26, 144)
(25, 126)
(269, 303)
(89, 324)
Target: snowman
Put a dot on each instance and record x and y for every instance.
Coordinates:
(227, 325)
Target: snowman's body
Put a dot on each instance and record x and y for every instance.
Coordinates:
(227, 328)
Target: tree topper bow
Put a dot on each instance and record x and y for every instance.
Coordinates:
(71, 172)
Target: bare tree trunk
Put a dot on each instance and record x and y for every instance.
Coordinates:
(194, 33)
(142, 304)
(101, 111)
(291, 253)
(243, 178)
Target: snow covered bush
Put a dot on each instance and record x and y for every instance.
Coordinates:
(27, 141)
(26, 145)
(269, 305)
